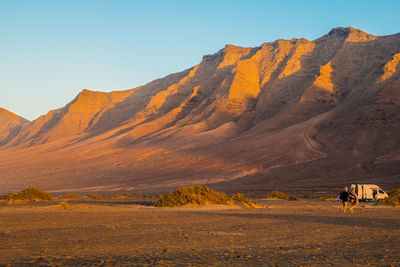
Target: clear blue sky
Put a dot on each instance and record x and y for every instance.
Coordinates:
(51, 50)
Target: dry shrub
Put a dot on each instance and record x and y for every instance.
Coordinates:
(244, 200)
(94, 196)
(278, 194)
(201, 196)
(70, 196)
(29, 194)
(281, 195)
(192, 195)
(121, 196)
(393, 199)
(64, 205)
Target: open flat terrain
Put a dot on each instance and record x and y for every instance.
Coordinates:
(122, 233)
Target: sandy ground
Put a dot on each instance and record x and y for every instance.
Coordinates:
(306, 232)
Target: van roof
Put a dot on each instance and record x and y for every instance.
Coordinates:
(367, 184)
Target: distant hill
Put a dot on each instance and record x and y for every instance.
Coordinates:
(9, 122)
(292, 114)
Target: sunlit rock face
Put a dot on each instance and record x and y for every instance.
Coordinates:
(290, 113)
(9, 120)
(9, 123)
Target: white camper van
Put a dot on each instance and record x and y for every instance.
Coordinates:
(369, 192)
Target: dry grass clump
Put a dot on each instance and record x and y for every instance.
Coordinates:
(29, 194)
(64, 205)
(281, 195)
(94, 196)
(192, 195)
(121, 196)
(70, 196)
(393, 199)
(244, 200)
(323, 198)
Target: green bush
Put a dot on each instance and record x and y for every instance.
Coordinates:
(393, 199)
(30, 194)
(281, 195)
(192, 195)
(70, 196)
(94, 196)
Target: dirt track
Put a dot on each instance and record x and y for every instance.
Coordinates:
(286, 233)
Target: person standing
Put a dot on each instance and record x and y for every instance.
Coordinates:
(344, 198)
(354, 198)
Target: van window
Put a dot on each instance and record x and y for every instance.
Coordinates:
(381, 191)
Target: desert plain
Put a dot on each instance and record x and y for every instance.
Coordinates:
(294, 115)
(134, 233)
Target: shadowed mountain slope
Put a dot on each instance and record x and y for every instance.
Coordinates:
(287, 114)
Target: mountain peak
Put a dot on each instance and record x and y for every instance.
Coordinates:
(341, 30)
(351, 34)
(88, 92)
(231, 54)
(9, 119)
(4, 113)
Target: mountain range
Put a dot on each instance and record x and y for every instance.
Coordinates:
(294, 115)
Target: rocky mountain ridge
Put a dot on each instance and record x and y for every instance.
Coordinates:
(291, 113)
